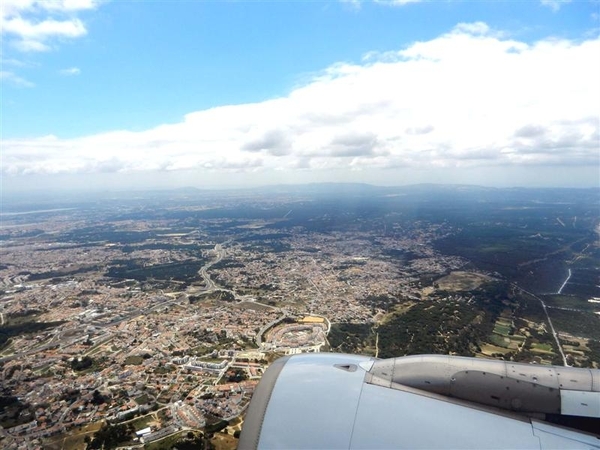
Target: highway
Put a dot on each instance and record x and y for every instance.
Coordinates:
(564, 358)
(210, 284)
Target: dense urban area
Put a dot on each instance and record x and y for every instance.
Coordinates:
(146, 320)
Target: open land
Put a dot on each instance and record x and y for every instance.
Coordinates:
(147, 320)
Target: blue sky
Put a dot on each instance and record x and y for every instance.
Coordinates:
(126, 94)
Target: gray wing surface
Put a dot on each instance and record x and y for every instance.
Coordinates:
(323, 401)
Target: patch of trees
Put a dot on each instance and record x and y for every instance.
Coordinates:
(594, 354)
(444, 327)
(24, 313)
(179, 271)
(350, 337)
(400, 256)
(195, 298)
(98, 398)
(225, 296)
(8, 400)
(428, 328)
(268, 287)
(163, 246)
(105, 233)
(9, 331)
(87, 292)
(191, 442)
(227, 263)
(579, 323)
(70, 395)
(382, 301)
(236, 375)
(215, 426)
(12, 411)
(80, 364)
(11, 371)
(204, 336)
(61, 273)
(110, 436)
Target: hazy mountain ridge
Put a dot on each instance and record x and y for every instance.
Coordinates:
(416, 192)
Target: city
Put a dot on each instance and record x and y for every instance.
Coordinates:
(166, 323)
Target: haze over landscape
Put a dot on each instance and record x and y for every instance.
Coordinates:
(122, 95)
(146, 319)
(190, 190)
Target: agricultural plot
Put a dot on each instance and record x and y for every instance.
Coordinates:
(539, 348)
(503, 336)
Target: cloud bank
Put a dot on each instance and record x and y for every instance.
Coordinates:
(469, 98)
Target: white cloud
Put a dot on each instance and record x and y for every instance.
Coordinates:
(397, 2)
(44, 29)
(357, 3)
(354, 3)
(33, 25)
(467, 99)
(554, 5)
(16, 63)
(70, 5)
(15, 80)
(472, 28)
(70, 71)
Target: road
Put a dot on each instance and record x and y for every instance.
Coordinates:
(210, 284)
(564, 358)
(554, 333)
(565, 283)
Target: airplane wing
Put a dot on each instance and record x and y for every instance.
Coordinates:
(338, 401)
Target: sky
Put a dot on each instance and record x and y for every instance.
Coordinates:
(119, 95)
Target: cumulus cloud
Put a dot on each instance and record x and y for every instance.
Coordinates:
(469, 98)
(70, 71)
(530, 131)
(34, 25)
(274, 142)
(352, 144)
(554, 5)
